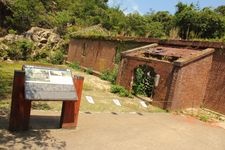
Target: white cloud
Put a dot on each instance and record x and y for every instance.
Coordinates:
(128, 6)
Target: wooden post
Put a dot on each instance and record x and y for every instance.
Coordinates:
(70, 109)
(20, 108)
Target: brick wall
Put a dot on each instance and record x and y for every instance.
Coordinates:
(164, 69)
(215, 92)
(189, 84)
(95, 54)
(99, 55)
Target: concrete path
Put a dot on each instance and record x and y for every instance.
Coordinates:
(124, 131)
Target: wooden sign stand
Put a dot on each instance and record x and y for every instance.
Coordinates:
(20, 108)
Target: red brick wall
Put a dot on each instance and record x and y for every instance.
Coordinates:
(189, 84)
(215, 92)
(164, 69)
(95, 54)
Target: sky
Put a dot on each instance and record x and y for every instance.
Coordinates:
(144, 6)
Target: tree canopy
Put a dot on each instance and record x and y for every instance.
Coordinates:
(189, 21)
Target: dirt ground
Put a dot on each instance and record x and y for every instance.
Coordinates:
(122, 131)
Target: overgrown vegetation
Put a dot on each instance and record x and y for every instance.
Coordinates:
(18, 50)
(120, 90)
(89, 71)
(74, 65)
(110, 75)
(71, 16)
(144, 81)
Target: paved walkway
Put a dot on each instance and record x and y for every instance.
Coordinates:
(124, 131)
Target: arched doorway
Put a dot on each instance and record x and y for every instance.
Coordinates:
(144, 81)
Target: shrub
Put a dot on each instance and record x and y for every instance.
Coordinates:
(120, 90)
(11, 31)
(110, 75)
(75, 65)
(41, 55)
(89, 71)
(20, 49)
(57, 57)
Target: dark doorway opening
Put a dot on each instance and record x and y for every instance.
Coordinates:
(144, 81)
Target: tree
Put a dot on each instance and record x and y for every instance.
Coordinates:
(220, 10)
(115, 20)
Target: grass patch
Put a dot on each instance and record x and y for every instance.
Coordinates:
(120, 90)
(93, 86)
(204, 118)
(40, 106)
(88, 87)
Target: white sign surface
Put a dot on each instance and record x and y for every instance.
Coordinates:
(117, 102)
(90, 99)
(46, 83)
(50, 76)
(143, 104)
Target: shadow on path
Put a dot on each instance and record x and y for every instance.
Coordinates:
(39, 137)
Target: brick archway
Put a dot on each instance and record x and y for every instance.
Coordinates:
(143, 80)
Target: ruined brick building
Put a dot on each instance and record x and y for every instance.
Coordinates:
(191, 74)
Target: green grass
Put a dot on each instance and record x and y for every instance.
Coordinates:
(93, 86)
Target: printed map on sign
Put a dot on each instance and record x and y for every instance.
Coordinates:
(43, 83)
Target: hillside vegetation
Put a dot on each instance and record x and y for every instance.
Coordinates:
(69, 16)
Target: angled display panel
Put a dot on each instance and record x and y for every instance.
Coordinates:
(45, 83)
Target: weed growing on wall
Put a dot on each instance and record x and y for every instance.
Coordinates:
(110, 75)
(74, 65)
(89, 71)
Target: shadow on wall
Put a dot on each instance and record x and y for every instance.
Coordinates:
(32, 139)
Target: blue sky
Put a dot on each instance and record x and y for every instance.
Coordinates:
(143, 6)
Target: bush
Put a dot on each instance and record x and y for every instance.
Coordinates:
(57, 57)
(20, 49)
(11, 31)
(41, 55)
(120, 90)
(89, 71)
(110, 75)
(75, 65)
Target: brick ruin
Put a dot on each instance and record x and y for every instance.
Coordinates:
(191, 73)
(183, 73)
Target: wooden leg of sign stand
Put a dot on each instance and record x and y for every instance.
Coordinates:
(70, 109)
(20, 108)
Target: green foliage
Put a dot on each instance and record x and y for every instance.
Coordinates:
(205, 23)
(57, 57)
(89, 71)
(204, 118)
(40, 106)
(11, 31)
(41, 55)
(25, 14)
(6, 78)
(120, 90)
(94, 31)
(75, 65)
(3, 86)
(77, 17)
(21, 49)
(144, 80)
(220, 10)
(110, 75)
